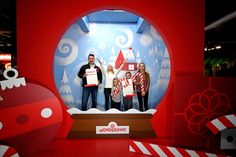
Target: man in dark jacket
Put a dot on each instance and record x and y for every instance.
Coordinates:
(89, 89)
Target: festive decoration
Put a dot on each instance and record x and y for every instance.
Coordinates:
(73, 111)
(107, 50)
(12, 81)
(127, 87)
(226, 125)
(141, 79)
(221, 123)
(164, 73)
(130, 60)
(69, 49)
(113, 123)
(164, 151)
(7, 151)
(203, 107)
(65, 90)
(124, 81)
(117, 89)
(28, 113)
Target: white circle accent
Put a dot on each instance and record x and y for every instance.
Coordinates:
(1, 125)
(13, 77)
(46, 112)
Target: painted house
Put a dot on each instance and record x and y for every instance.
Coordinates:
(130, 61)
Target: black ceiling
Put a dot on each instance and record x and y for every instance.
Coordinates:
(223, 34)
(7, 14)
(7, 26)
(214, 10)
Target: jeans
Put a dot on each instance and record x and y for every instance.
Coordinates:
(143, 100)
(128, 103)
(107, 93)
(85, 96)
(115, 105)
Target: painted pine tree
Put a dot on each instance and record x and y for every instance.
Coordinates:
(65, 91)
(164, 74)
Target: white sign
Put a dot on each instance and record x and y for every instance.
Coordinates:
(112, 128)
(91, 76)
(128, 89)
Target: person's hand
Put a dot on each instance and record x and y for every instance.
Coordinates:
(143, 94)
(84, 75)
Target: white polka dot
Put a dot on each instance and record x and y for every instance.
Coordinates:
(1, 125)
(46, 113)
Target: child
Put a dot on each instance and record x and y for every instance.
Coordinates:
(116, 94)
(128, 91)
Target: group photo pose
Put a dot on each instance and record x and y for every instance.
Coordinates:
(139, 61)
(117, 91)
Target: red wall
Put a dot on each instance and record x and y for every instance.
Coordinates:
(41, 23)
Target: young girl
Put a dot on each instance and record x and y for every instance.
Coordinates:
(127, 99)
(116, 94)
(109, 74)
(142, 83)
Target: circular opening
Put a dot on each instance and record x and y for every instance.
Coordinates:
(111, 35)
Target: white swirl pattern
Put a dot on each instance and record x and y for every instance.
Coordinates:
(69, 48)
(125, 41)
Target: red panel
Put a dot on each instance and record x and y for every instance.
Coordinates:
(199, 100)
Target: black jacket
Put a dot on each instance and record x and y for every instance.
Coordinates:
(82, 72)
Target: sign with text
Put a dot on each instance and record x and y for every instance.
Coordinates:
(128, 89)
(91, 76)
(112, 128)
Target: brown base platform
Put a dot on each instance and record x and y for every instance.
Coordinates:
(84, 125)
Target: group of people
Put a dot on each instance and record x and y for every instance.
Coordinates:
(113, 87)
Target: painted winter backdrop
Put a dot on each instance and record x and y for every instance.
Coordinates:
(105, 41)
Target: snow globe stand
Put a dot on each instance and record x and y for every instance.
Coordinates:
(113, 123)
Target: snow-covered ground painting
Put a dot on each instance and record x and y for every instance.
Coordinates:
(105, 41)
